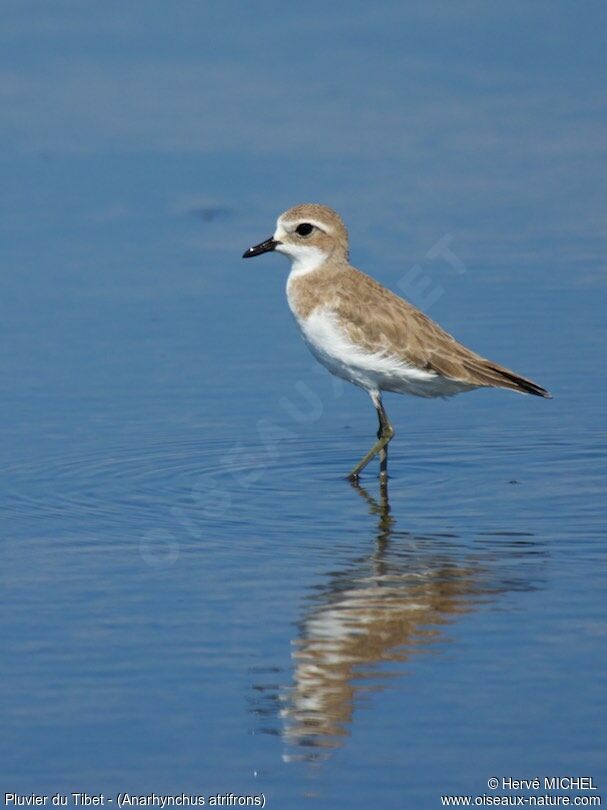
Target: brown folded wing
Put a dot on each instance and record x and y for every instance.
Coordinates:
(381, 321)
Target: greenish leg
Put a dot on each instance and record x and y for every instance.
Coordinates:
(384, 434)
(385, 429)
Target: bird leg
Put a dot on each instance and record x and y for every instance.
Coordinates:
(384, 434)
(385, 429)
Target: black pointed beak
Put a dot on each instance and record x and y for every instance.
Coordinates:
(262, 247)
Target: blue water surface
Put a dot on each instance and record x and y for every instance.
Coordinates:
(193, 599)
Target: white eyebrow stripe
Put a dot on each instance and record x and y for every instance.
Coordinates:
(322, 226)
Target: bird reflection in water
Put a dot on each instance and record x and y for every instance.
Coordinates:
(388, 606)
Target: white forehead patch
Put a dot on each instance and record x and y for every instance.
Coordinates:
(290, 224)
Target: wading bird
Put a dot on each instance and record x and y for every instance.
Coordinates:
(366, 334)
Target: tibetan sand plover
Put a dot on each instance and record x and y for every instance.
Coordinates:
(366, 334)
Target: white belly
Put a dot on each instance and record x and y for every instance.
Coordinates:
(374, 371)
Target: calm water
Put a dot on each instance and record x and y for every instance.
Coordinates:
(193, 598)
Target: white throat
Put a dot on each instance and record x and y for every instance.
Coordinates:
(304, 258)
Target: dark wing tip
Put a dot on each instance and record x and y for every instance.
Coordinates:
(524, 385)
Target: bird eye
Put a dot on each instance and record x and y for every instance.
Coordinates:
(305, 229)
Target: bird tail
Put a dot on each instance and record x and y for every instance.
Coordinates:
(495, 376)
